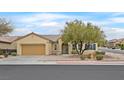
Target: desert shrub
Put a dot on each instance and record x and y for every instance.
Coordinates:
(99, 57)
(89, 56)
(82, 57)
(118, 46)
(100, 53)
(13, 54)
(5, 54)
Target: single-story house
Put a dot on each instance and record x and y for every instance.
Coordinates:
(35, 44)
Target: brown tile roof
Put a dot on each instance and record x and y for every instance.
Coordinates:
(116, 40)
(10, 39)
(113, 40)
(51, 37)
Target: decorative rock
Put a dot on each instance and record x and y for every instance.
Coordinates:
(1, 56)
(92, 53)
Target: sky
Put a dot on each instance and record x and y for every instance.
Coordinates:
(112, 23)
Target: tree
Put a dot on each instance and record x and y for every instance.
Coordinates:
(5, 27)
(79, 33)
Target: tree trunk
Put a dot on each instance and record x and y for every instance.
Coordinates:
(82, 51)
(81, 44)
(76, 47)
(86, 48)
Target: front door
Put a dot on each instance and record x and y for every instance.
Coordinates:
(64, 48)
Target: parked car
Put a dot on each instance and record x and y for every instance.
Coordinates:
(113, 48)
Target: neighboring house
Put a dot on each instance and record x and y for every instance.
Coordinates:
(34, 44)
(115, 42)
(6, 44)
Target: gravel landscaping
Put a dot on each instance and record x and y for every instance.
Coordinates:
(61, 60)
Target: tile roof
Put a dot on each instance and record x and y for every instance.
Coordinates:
(116, 40)
(10, 39)
(51, 37)
(113, 40)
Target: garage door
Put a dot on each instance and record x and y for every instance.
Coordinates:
(33, 49)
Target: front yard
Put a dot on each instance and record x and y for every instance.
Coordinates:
(109, 59)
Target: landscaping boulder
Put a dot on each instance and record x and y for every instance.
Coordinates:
(1, 56)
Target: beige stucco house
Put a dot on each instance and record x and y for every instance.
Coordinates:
(115, 42)
(35, 44)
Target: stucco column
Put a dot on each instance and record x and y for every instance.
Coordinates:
(47, 48)
(69, 48)
(59, 46)
(19, 51)
(96, 46)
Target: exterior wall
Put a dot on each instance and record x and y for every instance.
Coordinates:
(111, 45)
(33, 39)
(54, 52)
(96, 46)
(69, 48)
(7, 46)
(50, 48)
(60, 46)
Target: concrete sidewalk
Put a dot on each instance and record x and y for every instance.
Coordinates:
(116, 56)
(62, 63)
(90, 62)
(57, 60)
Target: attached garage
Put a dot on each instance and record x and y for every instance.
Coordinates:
(33, 49)
(33, 44)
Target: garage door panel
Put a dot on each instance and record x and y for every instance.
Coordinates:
(33, 49)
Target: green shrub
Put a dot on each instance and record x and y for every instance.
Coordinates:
(122, 47)
(82, 57)
(100, 53)
(1, 52)
(13, 54)
(99, 57)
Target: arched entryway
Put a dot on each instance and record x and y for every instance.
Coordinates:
(64, 48)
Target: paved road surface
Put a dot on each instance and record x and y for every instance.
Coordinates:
(112, 50)
(47, 72)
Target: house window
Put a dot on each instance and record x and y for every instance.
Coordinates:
(78, 46)
(93, 46)
(87, 46)
(90, 46)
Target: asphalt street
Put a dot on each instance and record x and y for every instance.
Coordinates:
(112, 50)
(62, 72)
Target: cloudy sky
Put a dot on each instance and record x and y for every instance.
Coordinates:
(112, 23)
